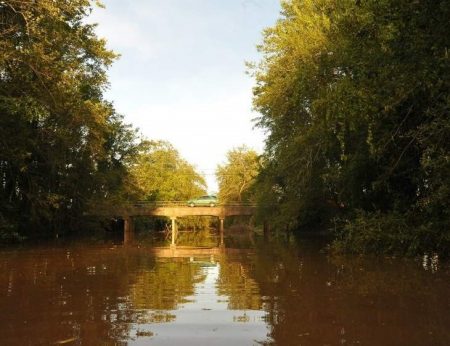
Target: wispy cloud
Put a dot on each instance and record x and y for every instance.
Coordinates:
(181, 74)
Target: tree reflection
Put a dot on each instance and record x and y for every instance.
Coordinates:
(108, 295)
(315, 299)
(197, 238)
(100, 295)
(60, 294)
(235, 282)
(166, 285)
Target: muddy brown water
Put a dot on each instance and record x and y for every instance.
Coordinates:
(277, 293)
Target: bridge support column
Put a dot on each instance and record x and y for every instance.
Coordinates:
(221, 222)
(173, 230)
(128, 230)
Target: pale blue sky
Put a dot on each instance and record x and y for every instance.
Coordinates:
(181, 76)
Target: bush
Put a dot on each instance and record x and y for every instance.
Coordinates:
(8, 232)
(390, 233)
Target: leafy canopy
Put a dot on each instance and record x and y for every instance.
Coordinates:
(62, 146)
(354, 96)
(237, 175)
(162, 175)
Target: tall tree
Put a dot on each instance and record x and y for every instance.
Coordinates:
(354, 95)
(162, 175)
(237, 175)
(61, 143)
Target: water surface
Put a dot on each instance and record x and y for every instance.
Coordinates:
(282, 293)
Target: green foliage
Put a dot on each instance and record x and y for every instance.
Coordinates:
(390, 233)
(162, 175)
(237, 176)
(355, 98)
(62, 146)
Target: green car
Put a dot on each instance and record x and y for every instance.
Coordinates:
(203, 201)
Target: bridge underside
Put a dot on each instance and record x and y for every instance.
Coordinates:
(181, 211)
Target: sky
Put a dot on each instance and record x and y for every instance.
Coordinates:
(181, 74)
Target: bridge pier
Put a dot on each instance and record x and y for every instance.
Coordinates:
(221, 222)
(173, 230)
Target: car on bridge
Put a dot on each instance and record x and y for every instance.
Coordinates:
(203, 201)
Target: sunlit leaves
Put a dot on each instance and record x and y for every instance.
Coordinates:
(237, 175)
(162, 175)
(350, 94)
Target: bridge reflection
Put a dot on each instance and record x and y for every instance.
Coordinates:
(190, 252)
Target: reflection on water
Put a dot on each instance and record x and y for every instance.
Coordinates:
(430, 262)
(283, 293)
(203, 318)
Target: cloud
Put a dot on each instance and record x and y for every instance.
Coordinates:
(181, 72)
(202, 132)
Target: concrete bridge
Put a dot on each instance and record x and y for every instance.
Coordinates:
(175, 209)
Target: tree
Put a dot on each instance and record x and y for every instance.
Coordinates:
(237, 175)
(61, 144)
(287, 85)
(354, 96)
(162, 175)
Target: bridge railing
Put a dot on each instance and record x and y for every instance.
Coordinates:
(156, 204)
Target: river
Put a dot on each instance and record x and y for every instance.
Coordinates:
(253, 292)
